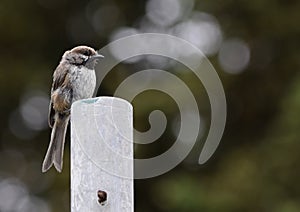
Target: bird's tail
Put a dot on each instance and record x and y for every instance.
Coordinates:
(54, 155)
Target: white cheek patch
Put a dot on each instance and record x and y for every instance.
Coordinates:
(85, 58)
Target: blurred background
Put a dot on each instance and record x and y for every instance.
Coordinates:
(253, 45)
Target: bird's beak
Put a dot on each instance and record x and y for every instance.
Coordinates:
(96, 57)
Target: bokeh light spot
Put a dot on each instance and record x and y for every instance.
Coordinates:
(234, 56)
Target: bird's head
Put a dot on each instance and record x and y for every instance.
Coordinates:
(82, 56)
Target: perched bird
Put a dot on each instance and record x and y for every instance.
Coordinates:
(73, 79)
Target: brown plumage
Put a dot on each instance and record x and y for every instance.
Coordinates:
(73, 79)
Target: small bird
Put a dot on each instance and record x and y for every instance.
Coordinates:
(73, 79)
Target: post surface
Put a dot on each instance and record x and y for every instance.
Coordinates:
(102, 154)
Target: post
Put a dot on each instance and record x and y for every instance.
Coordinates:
(102, 155)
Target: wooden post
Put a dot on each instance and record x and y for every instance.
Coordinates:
(102, 155)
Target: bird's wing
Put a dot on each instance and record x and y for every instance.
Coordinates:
(60, 80)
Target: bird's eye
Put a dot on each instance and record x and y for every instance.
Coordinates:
(86, 53)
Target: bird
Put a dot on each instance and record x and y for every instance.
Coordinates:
(73, 79)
